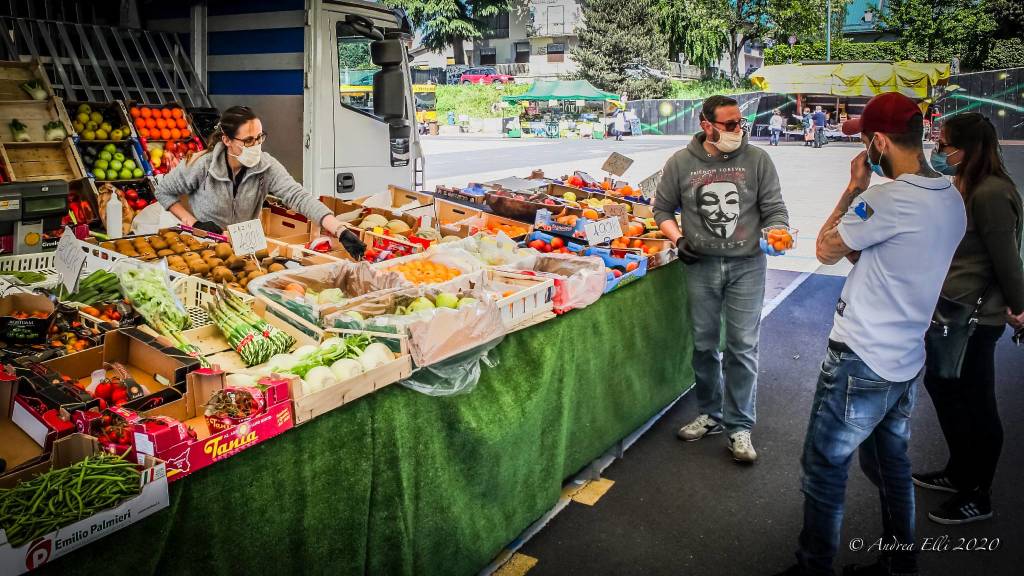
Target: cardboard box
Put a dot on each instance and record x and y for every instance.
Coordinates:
(400, 200)
(192, 454)
(28, 330)
(280, 222)
(455, 219)
(62, 541)
(17, 447)
(160, 368)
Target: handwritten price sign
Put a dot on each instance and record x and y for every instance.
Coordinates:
(69, 259)
(617, 164)
(247, 237)
(601, 231)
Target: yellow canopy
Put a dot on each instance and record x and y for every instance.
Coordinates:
(852, 78)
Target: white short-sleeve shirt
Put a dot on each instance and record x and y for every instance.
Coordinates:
(907, 231)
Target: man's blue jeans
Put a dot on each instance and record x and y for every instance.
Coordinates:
(855, 408)
(775, 133)
(733, 287)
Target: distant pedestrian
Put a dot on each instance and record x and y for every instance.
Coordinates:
(901, 235)
(776, 126)
(820, 121)
(987, 268)
(807, 124)
(619, 124)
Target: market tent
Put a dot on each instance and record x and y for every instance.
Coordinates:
(562, 90)
(852, 78)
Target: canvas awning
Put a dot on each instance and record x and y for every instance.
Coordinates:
(562, 90)
(852, 78)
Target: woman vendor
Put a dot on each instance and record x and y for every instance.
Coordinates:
(228, 182)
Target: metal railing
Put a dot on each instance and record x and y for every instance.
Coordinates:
(514, 68)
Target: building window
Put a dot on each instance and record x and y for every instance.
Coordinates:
(521, 53)
(496, 26)
(556, 52)
(488, 56)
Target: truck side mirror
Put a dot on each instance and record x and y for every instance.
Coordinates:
(389, 82)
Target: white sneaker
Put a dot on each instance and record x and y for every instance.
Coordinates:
(703, 426)
(741, 447)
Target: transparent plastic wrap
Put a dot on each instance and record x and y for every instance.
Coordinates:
(452, 376)
(579, 280)
(489, 249)
(439, 321)
(313, 292)
(433, 267)
(148, 288)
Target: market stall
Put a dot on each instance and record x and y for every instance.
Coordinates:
(843, 88)
(559, 109)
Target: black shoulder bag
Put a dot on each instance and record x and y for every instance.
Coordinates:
(945, 341)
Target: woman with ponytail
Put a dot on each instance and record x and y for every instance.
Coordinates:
(228, 182)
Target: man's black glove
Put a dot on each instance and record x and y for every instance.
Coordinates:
(686, 253)
(351, 242)
(209, 226)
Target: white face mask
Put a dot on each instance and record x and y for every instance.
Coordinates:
(250, 156)
(728, 141)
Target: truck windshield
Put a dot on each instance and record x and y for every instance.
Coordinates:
(425, 101)
(355, 69)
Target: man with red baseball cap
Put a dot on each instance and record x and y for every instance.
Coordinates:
(901, 236)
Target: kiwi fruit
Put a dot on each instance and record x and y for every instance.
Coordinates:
(165, 252)
(214, 262)
(223, 251)
(107, 246)
(275, 267)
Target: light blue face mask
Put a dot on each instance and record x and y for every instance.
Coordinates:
(941, 165)
(875, 167)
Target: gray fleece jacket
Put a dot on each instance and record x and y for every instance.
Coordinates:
(724, 200)
(207, 184)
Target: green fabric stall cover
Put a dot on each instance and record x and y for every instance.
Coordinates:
(403, 483)
(562, 90)
(456, 479)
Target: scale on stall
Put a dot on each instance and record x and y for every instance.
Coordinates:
(28, 211)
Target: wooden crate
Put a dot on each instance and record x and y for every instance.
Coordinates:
(35, 161)
(14, 74)
(34, 114)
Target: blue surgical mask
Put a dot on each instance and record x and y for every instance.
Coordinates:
(941, 165)
(875, 167)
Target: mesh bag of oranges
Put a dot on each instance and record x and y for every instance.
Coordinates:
(781, 238)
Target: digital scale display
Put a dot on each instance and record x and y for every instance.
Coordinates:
(44, 205)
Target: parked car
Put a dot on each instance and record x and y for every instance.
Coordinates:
(485, 75)
(454, 73)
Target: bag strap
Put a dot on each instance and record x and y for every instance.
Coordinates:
(981, 300)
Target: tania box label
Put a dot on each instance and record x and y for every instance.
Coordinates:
(152, 497)
(187, 455)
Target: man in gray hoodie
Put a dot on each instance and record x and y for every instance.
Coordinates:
(726, 191)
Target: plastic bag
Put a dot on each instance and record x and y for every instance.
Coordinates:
(435, 334)
(579, 280)
(313, 292)
(148, 288)
(456, 375)
(488, 249)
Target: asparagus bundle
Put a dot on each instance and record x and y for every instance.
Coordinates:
(250, 336)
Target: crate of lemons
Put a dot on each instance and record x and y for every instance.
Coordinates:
(186, 254)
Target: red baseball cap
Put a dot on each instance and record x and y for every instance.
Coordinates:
(888, 113)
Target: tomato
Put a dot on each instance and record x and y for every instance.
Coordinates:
(557, 243)
(131, 194)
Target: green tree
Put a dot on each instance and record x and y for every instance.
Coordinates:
(1009, 17)
(804, 19)
(745, 21)
(938, 29)
(614, 34)
(449, 22)
(695, 29)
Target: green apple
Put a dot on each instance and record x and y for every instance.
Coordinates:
(99, 174)
(129, 164)
(466, 302)
(102, 164)
(96, 117)
(118, 156)
(421, 303)
(137, 173)
(446, 300)
(110, 148)
(101, 135)
(106, 127)
(104, 155)
(116, 164)
(84, 109)
(116, 135)
(88, 135)
(125, 174)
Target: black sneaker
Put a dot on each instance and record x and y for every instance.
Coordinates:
(934, 481)
(963, 508)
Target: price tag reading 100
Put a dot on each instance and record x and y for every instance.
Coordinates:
(247, 237)
(602, 231)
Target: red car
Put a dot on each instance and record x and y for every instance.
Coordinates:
(485, 75)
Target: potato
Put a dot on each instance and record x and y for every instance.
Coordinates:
(222, 274)
(214, 262)
(208, 253)
(261, 254)
(234, 262)
(178, 248)
(235, 286)
(250, 266)
(266, 262)
(107, 246)
(275, 267)
(198, 267)
(224, 251)
(175, 260)
(170, 237)
(255, 274)
(157, 243)
(191, 256)
(165, 252)
(180, 269)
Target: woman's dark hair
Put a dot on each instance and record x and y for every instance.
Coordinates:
(230, 121)
(976, 137)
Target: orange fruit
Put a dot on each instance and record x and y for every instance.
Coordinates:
(180, 122)
(606, 185)
(161, 123)
(590, 214)
(779, 245)
(631, 266)
(150, 123)
(144, 132)
(166, 112)
(626, 190)
(136, 112)
(635, 229)
(636, 244)
(186, 133)
(140, 123)
(175, 134)
(177, 113)
(146, 112)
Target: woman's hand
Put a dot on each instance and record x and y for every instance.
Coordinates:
(1016, 321)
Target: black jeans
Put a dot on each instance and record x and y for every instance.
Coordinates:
(968, 415)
